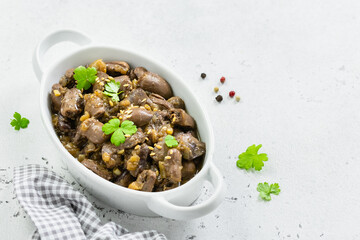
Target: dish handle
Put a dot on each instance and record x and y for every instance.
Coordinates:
(53, 39)
(162, 207)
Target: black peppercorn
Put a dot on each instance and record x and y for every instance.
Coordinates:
(219, 98)
(203, 75)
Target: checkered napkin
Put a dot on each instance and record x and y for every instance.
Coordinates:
(60, 212)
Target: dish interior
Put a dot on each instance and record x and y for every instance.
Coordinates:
(112, 54)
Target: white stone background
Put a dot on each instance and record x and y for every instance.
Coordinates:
(295, 64)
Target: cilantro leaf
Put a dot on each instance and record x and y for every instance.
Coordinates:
(170, 141)
(112, 90)
(265, 190)
(251, 158)
(113, 127)
(19, 122)
(85, 77)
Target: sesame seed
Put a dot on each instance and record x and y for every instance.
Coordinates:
(80, 95)
(125, 85)
(152, 154)
(237, 98)
(147, 107)
(127, 135)
(111, 103)
(171, 151)
(216, 89)
(151, 148)
(121, 151)
(167, 157)
(158, 146)
(111, 78)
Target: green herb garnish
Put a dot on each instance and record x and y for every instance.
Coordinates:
(170, 141)
(251, 158)
(113, 127)
(112, 90)
(265, 190)
(19, 122)
(85, 77)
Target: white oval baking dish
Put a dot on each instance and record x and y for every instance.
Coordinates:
(170, 204)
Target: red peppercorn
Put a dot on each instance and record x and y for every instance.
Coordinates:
(232, 93)
(222, 79)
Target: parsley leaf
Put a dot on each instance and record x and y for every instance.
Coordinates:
(251, 158)
(170, 141)
(85, 77)
(111, 90)
(19, 122)
(128, 127)
(265, 190)
(118, 137)
(113, 127)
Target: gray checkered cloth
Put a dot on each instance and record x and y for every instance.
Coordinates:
(60, 212)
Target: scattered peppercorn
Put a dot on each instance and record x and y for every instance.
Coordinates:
(203, 75)
(222, 79)
(232, 94)
(237, 98)
(216, 89)
(219, 98)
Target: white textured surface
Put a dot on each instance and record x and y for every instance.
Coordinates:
(294, 63)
